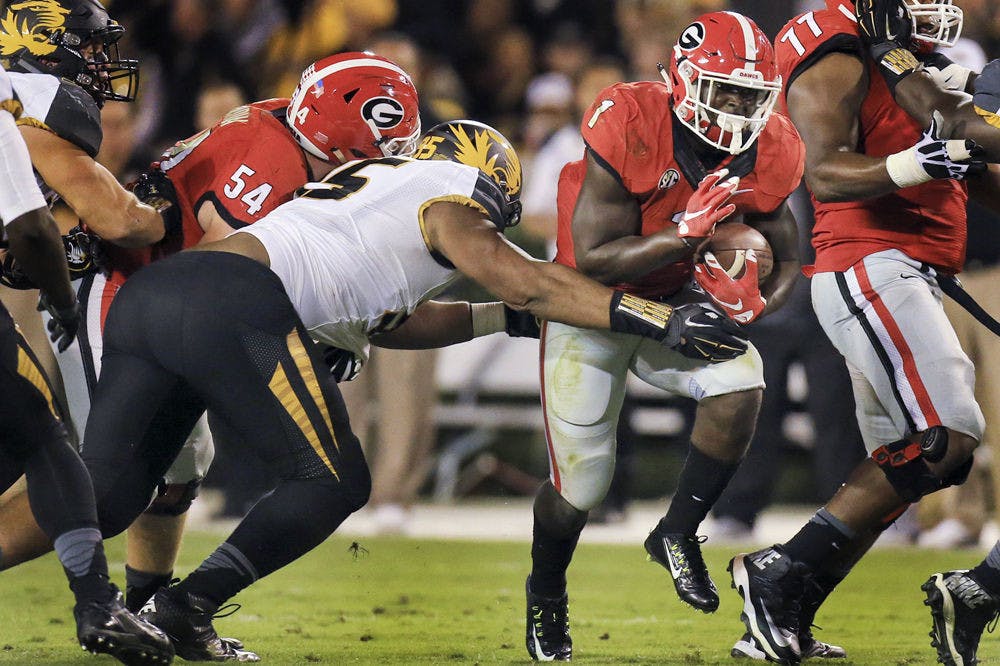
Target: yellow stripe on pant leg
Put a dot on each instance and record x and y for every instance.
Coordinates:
(283, 391)
(302, 362)
(27, 368)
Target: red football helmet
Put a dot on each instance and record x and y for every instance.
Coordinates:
(724, 80)
(355, 106)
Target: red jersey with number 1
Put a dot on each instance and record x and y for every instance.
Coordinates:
(630, 131)
(927, 221)
(246, 165)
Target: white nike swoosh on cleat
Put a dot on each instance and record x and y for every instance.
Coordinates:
(782, 638)
(741, 579)
(539, 652)
(674, 571)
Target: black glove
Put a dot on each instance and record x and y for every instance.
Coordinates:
(11, 274)
(704, 334)
(986, 93)
(155, 189)
(521, 323)
(344, 365)
(886, 28)
(695, 330)
(83, 253)
(882, 22)
(64, 323)
(958, 159)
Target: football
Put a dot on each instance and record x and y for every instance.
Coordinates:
(729, 245)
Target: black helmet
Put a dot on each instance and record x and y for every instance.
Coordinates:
(48, 36)
(478, 145)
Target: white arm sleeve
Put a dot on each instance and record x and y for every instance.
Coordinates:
(19, 192)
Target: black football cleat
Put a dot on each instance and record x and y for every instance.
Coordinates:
(747, 648)
(547, 636)
(186, 619)
(680, 555)
(771, 585)
(110, 628)
(961, 609)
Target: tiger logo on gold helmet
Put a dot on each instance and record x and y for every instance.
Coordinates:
(28, 24)
(74, 40)
(478, 145)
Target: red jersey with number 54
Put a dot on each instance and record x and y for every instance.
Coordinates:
(630, 131)
(246, 165)
(927, 221)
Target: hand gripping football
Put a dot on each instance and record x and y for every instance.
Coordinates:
(729, 245)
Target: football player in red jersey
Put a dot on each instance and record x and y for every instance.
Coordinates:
(890, 215)
(346, 107)
(664, 163)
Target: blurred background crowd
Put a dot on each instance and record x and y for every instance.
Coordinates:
(530, 68)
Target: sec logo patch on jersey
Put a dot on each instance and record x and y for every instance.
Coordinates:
(668, 179)
(384, 112)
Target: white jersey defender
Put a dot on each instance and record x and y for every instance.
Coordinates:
(351, 252)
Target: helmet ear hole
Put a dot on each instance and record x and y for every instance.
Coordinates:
(685, 70)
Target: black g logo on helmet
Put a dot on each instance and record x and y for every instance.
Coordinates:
(384, 112)
(692, 37)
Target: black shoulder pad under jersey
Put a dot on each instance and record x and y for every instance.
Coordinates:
(74, 116)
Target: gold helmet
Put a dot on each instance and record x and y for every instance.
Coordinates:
(52, 37)
(478, 145)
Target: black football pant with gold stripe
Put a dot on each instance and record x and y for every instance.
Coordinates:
(33, 441)
(216, 330)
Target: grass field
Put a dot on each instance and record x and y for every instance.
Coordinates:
(438, 602)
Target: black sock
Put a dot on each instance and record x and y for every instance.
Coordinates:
(819, 539)
(140, 586)
(91, 587)
(702, 481)
(221, 576)
(550, 557)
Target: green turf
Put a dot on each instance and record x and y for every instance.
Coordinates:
(433, 602)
